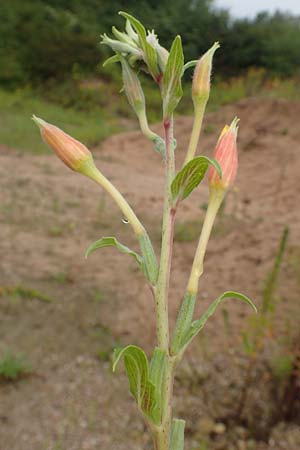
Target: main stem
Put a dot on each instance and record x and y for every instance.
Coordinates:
(163, 433)
(162, 288)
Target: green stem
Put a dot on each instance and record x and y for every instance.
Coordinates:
(199, 108)
(90, 170)
(162, 435)
(145, 129)
(215, 200)
(186, 312)
(162, 288)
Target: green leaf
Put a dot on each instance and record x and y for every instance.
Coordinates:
(197, 325)
(177, 435)
(141, 387)
(191, 175)
(111, 60)
(248, 345)
(184, 320)
(148, 50)
(172, 89)
(138, 26)
(149, 266)
(113, 242)
(157, 368)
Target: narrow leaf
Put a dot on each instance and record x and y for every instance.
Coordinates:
(172, 89)
(271, 281)
(191, 175)
(149, 261)
(177, 436)
(197, 325)
(138, 26)
(157, 368)
(113, 242)
(183, 322)
(111, 60)
(141, 387)
(148, 50)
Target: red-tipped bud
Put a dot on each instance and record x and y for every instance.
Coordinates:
(68, 149)
(226, 155)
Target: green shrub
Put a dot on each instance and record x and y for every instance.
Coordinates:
(13, 367)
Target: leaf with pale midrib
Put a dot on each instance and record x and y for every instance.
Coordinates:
(142, 379)
(191, 175)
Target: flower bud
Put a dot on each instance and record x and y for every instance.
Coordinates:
(69, 150)
(123, 37)
(121, 46)
(202, 74)
(136, 99)
(162, 53)
(132, 87)
(226, 155)
(130, 31)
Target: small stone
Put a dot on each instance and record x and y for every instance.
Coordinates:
(219, 428)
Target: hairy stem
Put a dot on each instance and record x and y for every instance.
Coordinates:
(162, 435)
(215, 200)
(145, 126)
(162, 288)
(90, 170)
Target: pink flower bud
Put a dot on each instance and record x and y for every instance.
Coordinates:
(226, 155)
(68, 149)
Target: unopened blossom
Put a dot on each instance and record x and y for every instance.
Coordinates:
(202, 75)
(227, 157)
(72, 152)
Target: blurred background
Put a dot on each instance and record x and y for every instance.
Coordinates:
(61, 315)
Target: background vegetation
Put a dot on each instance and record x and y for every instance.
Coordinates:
(51, 60)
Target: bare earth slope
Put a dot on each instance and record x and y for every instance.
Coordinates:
(49, 215)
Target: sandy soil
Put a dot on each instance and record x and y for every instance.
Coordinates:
(49, 215)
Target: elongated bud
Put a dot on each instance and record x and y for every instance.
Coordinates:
(202, 75)
(130, 31)
(69, 150)
(121, 46)
(227, 157)
(132, 87)
(136, 99)
(123, 37)
(162, 53)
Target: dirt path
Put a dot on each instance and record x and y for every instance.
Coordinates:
(48, 216)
